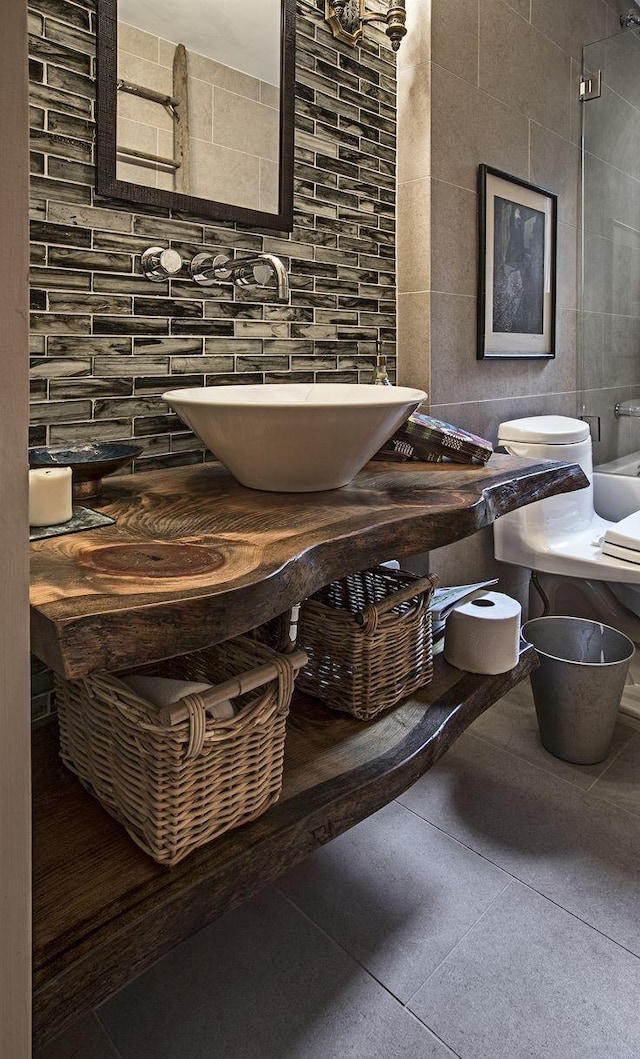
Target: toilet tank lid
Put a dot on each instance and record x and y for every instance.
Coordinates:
(544, 430)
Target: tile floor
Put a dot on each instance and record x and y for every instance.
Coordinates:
(492, 912)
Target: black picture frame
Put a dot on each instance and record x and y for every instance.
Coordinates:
(107, 184)
(517, 268)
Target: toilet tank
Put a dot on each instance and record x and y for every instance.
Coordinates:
(522, 533)
(549, 438)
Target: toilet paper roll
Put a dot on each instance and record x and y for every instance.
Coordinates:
(164, 691)
(483, 635)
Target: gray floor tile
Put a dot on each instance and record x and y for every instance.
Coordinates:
(263, 983)
(395, 893)
(85, 1040)
(512, 725)
(532, 982)
(576, 849)
(620, 784)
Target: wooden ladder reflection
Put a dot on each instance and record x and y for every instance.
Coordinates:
(178, 104)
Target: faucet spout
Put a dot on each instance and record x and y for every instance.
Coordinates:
(257, 270)
(245, 272)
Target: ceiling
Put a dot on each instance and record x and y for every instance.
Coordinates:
(243, 34)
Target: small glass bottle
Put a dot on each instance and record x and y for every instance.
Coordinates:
(381, 375)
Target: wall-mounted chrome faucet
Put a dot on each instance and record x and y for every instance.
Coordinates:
(245, 272)
(160, 264)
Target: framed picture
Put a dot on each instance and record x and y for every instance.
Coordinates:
(516, 268)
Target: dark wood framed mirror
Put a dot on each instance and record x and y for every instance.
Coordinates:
(195, 107)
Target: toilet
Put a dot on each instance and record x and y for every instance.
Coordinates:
(582, 565)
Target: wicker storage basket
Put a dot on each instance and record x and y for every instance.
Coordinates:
(368, 638)
(175, 786)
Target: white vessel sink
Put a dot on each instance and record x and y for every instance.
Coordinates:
(294, 437)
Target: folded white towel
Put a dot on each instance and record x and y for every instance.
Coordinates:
(163, 691)
(625, 533)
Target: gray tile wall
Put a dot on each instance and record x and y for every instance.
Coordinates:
(106, 342)
(495, 82)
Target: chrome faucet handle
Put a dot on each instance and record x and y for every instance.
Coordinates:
(262, 273)
(161, 263)
(207, 270)
(245, 272)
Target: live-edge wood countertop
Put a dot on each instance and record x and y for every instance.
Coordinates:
(103, 911)
(195, 558)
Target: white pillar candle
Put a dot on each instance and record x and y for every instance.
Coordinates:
(50, 496)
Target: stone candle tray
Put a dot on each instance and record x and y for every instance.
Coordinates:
(83, 519)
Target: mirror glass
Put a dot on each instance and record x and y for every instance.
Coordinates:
(199, 106)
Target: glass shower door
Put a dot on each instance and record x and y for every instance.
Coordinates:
(609, 359)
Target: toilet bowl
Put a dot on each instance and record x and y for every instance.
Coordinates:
(583, 565)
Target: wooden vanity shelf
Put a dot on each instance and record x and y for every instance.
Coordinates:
(103, 911)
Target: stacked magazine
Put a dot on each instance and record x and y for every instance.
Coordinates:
(445, 599)
(431, 437)
(424, 438)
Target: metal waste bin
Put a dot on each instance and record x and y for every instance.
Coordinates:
(578, 685)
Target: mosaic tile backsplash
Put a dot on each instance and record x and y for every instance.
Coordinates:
(106, 342)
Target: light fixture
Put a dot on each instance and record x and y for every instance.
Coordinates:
(348, 18)
(629, 13)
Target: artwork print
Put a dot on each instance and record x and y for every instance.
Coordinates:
(518, 268)
(516, 316)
